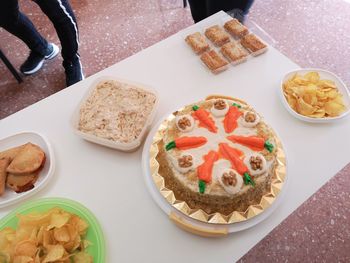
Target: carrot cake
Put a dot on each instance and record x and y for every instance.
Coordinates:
(217, 155)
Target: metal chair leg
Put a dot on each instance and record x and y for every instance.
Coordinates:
(185, 3)
(10, 67)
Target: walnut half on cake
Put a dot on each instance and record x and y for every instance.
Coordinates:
(224, 163)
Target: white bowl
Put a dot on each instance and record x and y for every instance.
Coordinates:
(10, 197)
(127, 147)
(324, 74)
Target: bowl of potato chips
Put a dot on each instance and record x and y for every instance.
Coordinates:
(315, 95)
(51, 230)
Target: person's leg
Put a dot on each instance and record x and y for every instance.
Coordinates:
(16, 23)
(12, 20)
(236, 8)
(198, 9)
(245, 5)
(61, 15)
(214, 6)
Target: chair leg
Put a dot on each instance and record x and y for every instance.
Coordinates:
(10, 67)
(185, 3)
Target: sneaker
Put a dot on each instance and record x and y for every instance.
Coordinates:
(35, 61)
(74, 72)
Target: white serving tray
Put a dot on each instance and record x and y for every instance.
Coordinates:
(127, 147)
(190, 224)
(324, 74)
(11, 197)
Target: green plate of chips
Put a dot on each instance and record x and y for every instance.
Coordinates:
(94, 234)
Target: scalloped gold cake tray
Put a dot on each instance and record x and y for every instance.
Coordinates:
(184, 216)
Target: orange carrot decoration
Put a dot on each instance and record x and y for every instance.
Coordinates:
(231, 117)
(253, 142)
(184, 143)
(230, 154)
(237, 163)
(204, 171)
(204, 119)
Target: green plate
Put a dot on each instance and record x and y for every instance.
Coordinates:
(94, 234)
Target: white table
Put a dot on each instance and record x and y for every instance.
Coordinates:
(110, 182)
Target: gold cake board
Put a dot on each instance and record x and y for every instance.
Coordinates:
(195, 223)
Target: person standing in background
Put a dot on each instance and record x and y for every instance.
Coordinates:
(201, 9)
(61, 15)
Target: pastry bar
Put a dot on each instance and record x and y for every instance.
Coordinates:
(197, 42)
(253, 44)
(214, 61)
(217, 155)
(217, 35)
(236, 28)
(234, 52)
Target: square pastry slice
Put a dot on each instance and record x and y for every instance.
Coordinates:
(214, 61)
(197, 42)
(236, 28)
(234, 52)
(253, 44)
(217, 35)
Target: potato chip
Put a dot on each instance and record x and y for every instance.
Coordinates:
(61, 234)
(26, 248)
(311, 96)
(82, 257)
(55, 252)
(312, 77)
(304, 108)
(58, 220)
(52, 236)
(332, 108)
(22, 259)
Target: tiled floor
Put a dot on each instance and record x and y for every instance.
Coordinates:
(312, 33)
(109, 32)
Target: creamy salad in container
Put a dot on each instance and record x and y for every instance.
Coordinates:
(116, 113)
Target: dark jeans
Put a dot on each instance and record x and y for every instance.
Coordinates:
(61, 15)
(201, 9)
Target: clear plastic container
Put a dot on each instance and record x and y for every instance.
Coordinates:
(127, 147)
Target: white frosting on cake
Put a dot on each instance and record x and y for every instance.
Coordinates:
(216, 186)
(214, 139)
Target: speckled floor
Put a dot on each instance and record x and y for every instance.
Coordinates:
(312, 33)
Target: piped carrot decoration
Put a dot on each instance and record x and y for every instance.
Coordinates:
(204, 119)
(204, 171)
(253, 142)
(231, 117)
(184, 143)
(232, 155)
